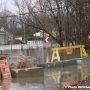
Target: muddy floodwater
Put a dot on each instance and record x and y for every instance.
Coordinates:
(50, 81)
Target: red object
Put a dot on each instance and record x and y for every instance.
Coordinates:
(88, 36)
(5, 69)
(69, 51)
(47, 39)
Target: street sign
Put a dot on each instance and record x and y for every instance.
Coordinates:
(88, 36)
(47, 39)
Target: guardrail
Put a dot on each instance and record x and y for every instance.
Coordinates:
(23, 46)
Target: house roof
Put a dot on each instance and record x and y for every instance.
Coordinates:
(3, 31)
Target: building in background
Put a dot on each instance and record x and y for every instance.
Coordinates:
(3, 36)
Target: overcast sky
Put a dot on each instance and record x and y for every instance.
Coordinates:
(9, 5)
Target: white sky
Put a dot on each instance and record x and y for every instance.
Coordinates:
(9, 5)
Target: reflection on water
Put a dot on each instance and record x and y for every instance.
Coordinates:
(6, 85)
(51, 80)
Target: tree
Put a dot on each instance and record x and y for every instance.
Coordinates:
(61, 19)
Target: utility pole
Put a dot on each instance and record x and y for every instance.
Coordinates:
(24, 24)
(24, 33)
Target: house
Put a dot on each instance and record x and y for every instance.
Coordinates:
(3, 36)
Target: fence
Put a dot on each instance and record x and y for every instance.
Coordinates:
(40, 51)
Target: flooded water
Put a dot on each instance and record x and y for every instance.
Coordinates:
(50, 81)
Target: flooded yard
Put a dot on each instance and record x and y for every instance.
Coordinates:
(50, 81)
